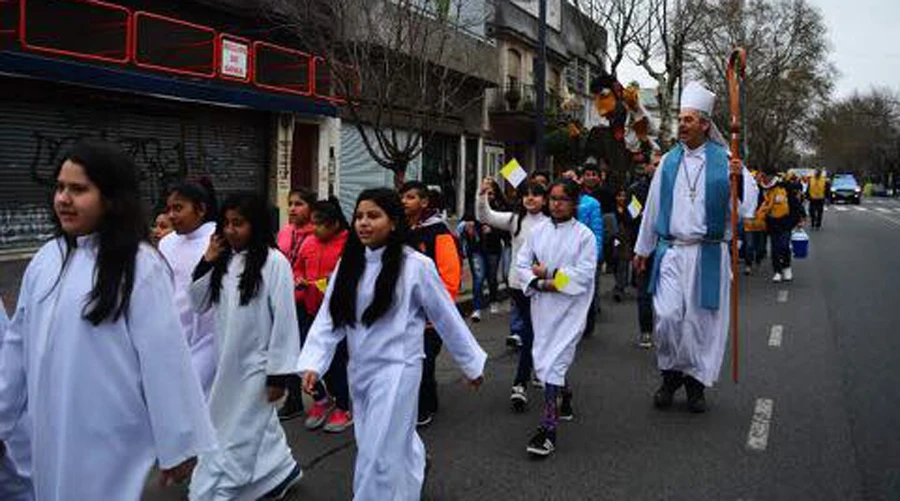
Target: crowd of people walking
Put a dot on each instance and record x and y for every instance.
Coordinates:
(190, 355)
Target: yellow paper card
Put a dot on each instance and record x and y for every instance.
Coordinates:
(560, 280)
(514, 173)
(322, 284)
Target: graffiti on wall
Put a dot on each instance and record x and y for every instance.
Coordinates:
(229, 152)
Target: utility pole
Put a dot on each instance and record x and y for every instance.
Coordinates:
(540, 75)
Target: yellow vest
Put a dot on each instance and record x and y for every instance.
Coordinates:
(817, 188)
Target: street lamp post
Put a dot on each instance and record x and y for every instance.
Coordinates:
(540, 75)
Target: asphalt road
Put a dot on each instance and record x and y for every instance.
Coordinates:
(815, 414)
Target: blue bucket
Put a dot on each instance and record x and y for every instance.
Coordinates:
(800, 244)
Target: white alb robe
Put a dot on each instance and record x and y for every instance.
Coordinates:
(689, 338)
(106, 401)
(183, 252)
(257, 340)
(385, 369)
(15, 467)
(558, 318)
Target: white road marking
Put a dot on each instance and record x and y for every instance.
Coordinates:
(758, 437)
(775, 336)
(782, 296)
(841, 209)
(861, 209)
(883, 209)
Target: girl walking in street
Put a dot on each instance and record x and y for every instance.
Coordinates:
(623, 244)
(557, 263)
(192, 211)
(318, 259)
(298, 229)
(530, 213)
(249, 285)
(94, 355)
(379, 301)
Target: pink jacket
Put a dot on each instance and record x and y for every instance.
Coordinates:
(316, 262)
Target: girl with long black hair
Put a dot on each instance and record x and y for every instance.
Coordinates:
(379, 301)
(530, 212)
(94, 355)
(249, 285)
(191, 207)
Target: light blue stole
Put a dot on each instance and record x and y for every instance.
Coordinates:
(717, 210)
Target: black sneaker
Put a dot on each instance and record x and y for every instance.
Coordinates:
(281, 490)
(425, 419)
(565, 408)
(672, 381)
(519, 398)
(293, 408)
(695, 398)
(542, 443)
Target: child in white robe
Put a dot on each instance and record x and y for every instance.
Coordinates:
(94, 353)
(15, 454)
(379, 301)
(192, 212)
(557, 262)
(249, 284)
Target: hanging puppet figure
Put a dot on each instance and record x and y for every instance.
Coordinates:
(379, 301)
(685, 226)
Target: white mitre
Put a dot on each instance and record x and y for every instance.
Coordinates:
(698, 98)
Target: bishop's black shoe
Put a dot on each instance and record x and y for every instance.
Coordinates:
(672, 380)
(695, 399)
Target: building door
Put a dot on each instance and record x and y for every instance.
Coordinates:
(305, 156)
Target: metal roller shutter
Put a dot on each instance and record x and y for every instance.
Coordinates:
(167, 142)
(359, 171)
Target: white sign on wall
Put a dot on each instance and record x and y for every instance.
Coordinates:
(235, 58)
(554, 11)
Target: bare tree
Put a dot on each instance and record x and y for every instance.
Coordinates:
(789, 78)
(860, 134)
(619, 20)
(662, 49)
(405, 66)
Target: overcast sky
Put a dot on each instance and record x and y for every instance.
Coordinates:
(865, 45)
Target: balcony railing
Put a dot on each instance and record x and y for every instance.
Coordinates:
(521, 98)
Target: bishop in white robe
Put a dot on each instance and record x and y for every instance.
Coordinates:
(255, 341)
(689, 282)
(183, 252)
(105, 402)
(385, 368)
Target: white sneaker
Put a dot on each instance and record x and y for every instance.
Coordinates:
(475, 316)
(748, 270)
(777, 278)
(495, 308)
(787, 274)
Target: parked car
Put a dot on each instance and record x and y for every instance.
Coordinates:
(846, 188)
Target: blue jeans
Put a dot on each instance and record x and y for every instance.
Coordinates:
(526, 362)
(754, 247)
(483, 269)
(781, 250)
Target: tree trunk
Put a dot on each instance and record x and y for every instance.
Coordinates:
(399, 176)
